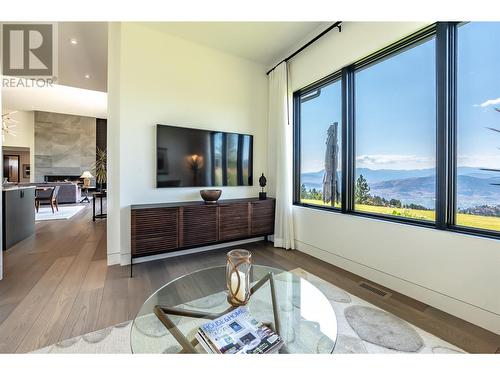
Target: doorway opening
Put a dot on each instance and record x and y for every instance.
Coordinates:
(11, 168)
(54, 189)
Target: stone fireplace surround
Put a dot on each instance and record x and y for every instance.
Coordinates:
(64, 145)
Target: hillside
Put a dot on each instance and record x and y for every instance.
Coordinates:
(418, 186)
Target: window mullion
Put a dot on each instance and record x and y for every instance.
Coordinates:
(446, 125)
(296, 147)
(348, 153)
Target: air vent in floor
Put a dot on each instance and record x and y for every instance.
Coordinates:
(374, 289)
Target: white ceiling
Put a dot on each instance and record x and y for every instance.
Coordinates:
(59, 99)
(88, 57)
(74, 93)
(263, 42)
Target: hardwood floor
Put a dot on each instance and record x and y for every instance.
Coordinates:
(57, 285)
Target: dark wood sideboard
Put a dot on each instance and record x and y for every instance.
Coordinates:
(169, 227)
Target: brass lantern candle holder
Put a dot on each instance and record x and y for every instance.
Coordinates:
(239, 263)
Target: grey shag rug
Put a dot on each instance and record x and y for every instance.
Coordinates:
(361, 326)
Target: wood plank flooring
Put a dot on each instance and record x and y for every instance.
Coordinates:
(57, 285)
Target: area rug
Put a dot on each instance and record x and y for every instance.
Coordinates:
(64, 213)
(361, 326)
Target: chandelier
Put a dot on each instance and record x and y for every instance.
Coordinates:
(8, 125)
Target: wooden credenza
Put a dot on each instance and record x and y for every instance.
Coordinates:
(160, 228)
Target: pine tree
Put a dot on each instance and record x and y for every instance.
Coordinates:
(362, 191)
(303, 191)
(395, 203)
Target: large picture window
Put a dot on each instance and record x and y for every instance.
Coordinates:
(410, 133)
(478, 124)
(320, 151)
(395, 132)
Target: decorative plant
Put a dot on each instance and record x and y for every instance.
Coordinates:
(99, 167)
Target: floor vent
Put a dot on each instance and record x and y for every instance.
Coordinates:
(374, 289)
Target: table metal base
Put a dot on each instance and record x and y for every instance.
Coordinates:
(189, 346)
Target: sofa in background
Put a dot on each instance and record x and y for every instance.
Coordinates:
(69, 192)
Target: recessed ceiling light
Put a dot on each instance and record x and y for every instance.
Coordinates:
(87, 76)
(73, 41)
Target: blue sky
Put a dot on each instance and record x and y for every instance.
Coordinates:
(395, 107)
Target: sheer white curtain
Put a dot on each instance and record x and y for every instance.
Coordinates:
(280, 156)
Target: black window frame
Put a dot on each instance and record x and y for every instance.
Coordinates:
(452, 34)
(445, 34)
(332, 78)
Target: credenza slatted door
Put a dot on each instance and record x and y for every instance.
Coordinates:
(234, 221)
(198, 225)
(176, 227)
(154, 230)
(262, 217)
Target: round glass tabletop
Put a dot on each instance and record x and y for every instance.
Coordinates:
(307, 322)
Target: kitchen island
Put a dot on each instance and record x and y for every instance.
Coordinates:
(18, 214)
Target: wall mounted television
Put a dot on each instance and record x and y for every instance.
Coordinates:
(188, 157)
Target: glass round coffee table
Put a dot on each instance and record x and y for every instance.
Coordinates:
(306, 318)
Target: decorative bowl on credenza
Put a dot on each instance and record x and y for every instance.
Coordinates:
(210, 195)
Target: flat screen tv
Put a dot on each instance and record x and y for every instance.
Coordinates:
(187, 157)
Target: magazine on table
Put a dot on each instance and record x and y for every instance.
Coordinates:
(237, 332)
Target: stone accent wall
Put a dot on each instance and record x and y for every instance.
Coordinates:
(64, 144)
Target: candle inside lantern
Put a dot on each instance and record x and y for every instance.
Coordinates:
(239, 262)
(238, 293)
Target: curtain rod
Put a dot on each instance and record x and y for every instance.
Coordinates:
(336, 24)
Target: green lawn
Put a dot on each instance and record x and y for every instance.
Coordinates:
(466, 220)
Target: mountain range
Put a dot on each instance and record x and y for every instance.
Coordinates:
(418, 185)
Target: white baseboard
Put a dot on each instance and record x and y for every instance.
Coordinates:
(124, 259)
(114, 258)
(453, 306)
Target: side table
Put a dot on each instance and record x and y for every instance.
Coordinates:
(101, 214)
(85, 193)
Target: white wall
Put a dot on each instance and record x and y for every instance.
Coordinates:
(336, 50)
(113, 146)
(452, 272)
(158, 78)
(25, 135)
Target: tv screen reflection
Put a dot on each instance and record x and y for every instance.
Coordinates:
(189, 157)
